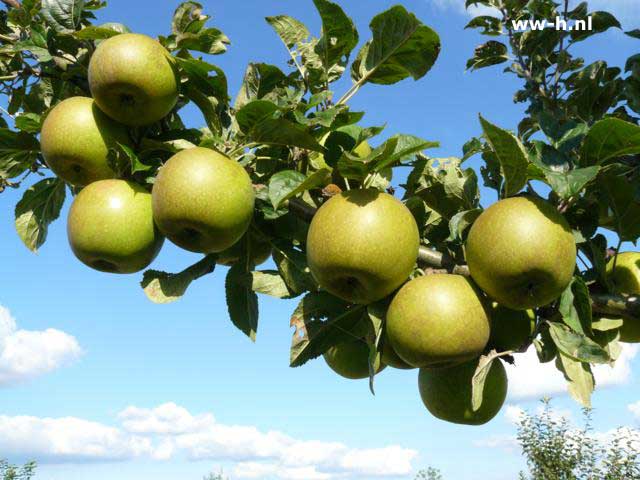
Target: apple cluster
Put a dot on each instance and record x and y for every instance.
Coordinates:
(362, 244)
(201, 200)
(521, 255)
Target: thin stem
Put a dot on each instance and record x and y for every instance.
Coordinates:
(12, 3)
(7, 113)
(351, 92)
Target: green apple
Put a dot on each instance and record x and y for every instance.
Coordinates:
(438, 320)
(626, 279)
(521, 251)
(110, 227)
(75, 141)
(133, 80)
(510, 329)
(260, 251)
(351, 360)
(362, 245)
(392, 359)
(446, 392)
(202, 200)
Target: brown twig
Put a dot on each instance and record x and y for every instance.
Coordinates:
(12, 3)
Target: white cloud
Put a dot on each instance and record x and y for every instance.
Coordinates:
(165, 419)
(529, 379)
(168, 431)
(634, 408)
(27, 354)
(67, 439)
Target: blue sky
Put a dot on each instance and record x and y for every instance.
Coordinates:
(97, 382)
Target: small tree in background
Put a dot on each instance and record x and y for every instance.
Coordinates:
(215, 476)
(429, 474)
(555, 450)
(11, 472)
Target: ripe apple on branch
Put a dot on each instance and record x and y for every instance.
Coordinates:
(430, 280)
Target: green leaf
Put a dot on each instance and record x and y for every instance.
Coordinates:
(575, 307)
(293, 268)
(282, 184)
(576, 345)
(322, 321)
(401, 47)
(571, 183)
(63, 15)
(461, 222)
(29, 122)
(317, 179)
(279, 131)
(198, 73)
(479, 378)
(41, 52)
(510, 154)
(602, 21)
(208, 92)
(242, 301)
(163, 287)
(290, 30)
(339, 38)
(18, 151)
(40, 205)
(252, 113)
(210, 40)
(393, 151)
(260, 79)
(545, 347)
(622, 199)
(267, 282)
(579, 376)
(607, 324)
(102, 32)
(487, 55)
(188, 18)
(376, 313)
(489, 25)
(608, 139)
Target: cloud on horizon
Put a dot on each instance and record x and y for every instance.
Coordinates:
(26, 354)
(531, 380)
(169, 431)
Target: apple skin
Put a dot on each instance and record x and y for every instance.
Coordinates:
(391, 358)
(132, 79)
(446, 392)
(362, 245)
(521, 252)
(626, 279)
(510, 329)
(110, 227)
(351, 360)
(438, 320)
(75, 140)
(202, 200)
